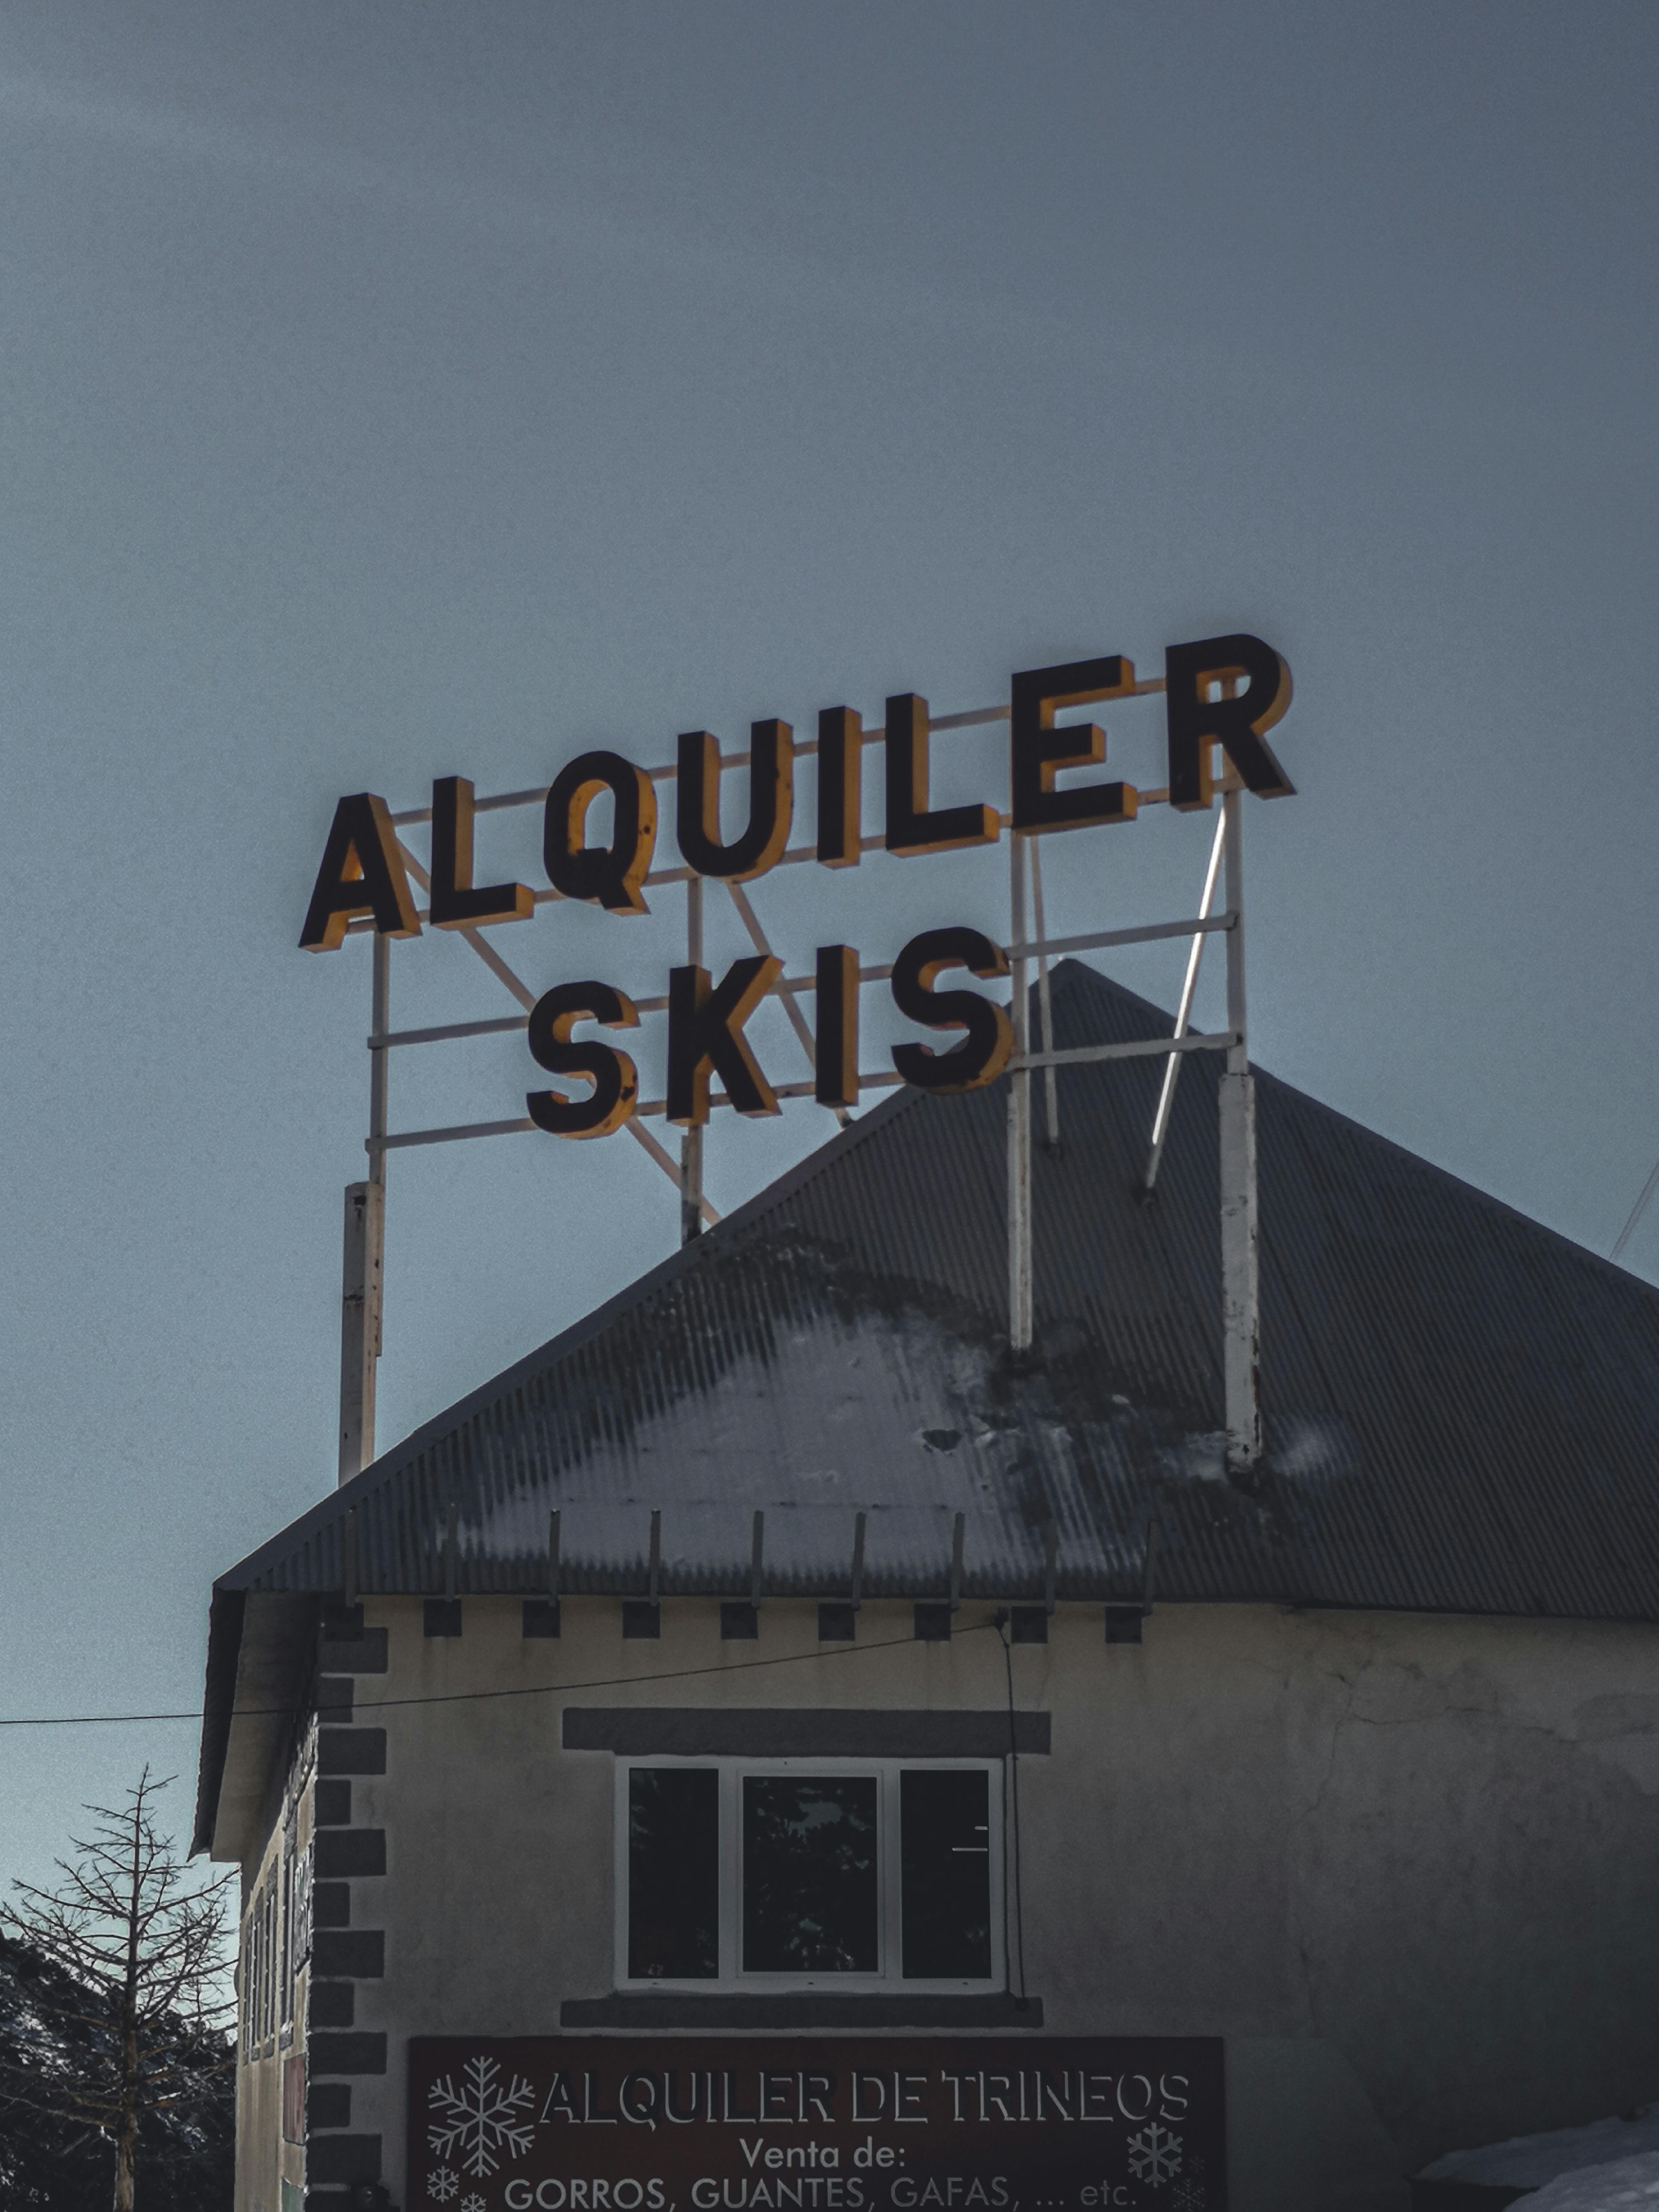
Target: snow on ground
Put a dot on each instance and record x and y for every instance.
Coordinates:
(1530, 2162)
(1626, 2182)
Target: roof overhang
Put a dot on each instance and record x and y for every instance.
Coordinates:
(261, 1645)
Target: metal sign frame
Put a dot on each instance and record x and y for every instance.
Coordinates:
(1029, 945)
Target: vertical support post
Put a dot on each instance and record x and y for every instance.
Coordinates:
(1045, 1004)
(856, 1590)
(691, 1140)
(363, 1266)
(757, 1559)
(1240, 1295)
(380, 1014)
(360, 1322)
(349, 1560)
(1019, 1120)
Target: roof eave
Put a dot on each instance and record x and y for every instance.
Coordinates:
(218, 1704)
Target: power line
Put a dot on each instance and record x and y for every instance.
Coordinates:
(473, 1697)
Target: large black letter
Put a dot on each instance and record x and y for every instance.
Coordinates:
(983, 1053)
(835, 1030)
(841, 787)
(1037, 749)
(911, 826)
(362, 872)
(454, 902)
(1235, 724)
(771, 802)
(612, 1074)
(611, 874)
(705, 1031)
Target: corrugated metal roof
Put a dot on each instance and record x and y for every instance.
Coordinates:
(1461, 1408)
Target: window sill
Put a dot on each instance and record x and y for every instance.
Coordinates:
(799, 2008)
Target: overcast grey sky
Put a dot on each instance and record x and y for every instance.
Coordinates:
(397, 390)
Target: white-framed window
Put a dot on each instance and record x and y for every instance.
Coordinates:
(245, 1984)
(259, 1970)
(841, 1874)
(286, 2007)
(254, 1976)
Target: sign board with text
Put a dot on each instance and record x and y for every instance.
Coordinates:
(1222, 693)
(695, 2124)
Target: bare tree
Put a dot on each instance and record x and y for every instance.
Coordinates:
(142, 1947)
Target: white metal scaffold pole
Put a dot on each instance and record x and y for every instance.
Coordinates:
(1019, 1117)
(364, 1261)
(691, 1141)
(1240, 1300)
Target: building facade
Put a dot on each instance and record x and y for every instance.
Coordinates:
(772, 1748)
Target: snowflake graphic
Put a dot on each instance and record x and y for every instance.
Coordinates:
(1154, 2155)
(481, 2119)
(443, 2184)
(473, 2203)
(1189, 2195)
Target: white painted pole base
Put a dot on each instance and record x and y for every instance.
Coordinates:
(1240, 1333)
(360, 1322)
(690, 1185)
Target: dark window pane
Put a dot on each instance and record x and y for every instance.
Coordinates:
(944, 1858)
(673, 1872)
(809, 1874)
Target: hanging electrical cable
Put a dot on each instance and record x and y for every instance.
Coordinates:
(478, 1697)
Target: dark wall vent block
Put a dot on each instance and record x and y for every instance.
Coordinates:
(343, 2158)
(328, 2104)
(351, 1751)
(340, 1856)
(363, 2053)
(330, 1905)
(355, 1954)
(333, 2004)
(360, 1655)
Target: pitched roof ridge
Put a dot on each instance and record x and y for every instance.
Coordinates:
(1487, 1199)
(1079, 978)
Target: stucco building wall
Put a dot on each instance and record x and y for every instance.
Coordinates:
(1404, 1865)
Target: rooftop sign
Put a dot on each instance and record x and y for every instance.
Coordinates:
(1221, 697)
(1223, 692)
